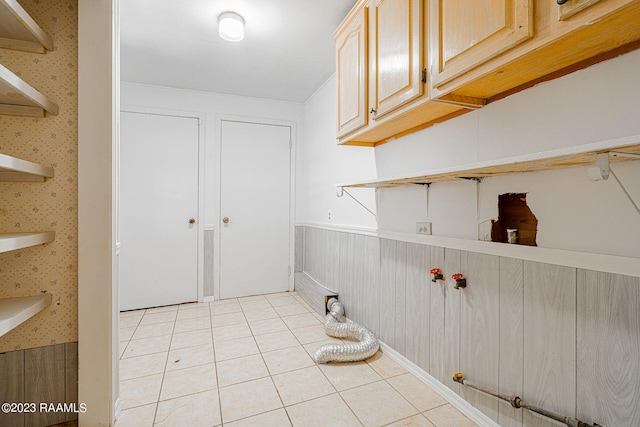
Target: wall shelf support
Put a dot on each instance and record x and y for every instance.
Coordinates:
(341, 192)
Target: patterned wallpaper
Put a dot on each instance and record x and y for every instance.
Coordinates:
(52, 205)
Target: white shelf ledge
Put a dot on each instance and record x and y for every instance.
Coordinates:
(14, 241)
(14, 311)
(19, 99)
(14, 169)
(626, 148)
(19, 31)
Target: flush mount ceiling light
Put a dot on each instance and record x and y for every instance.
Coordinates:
(231, 26)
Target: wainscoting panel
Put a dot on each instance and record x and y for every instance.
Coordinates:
(298, 262)
(418, 301)
(608, 349)
(550, 340)
(511, 350)
(350, 273)
(44, 382)
(564, 339)
(12, 388)
(437, 293)
(452, 317)
(39, 375)
(480, 328)
(400, 296)
(388, 251)
(370, 300)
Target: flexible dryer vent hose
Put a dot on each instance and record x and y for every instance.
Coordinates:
(336, 325)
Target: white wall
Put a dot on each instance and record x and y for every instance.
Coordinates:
(595, 104)
(322, 164)
(212, 106)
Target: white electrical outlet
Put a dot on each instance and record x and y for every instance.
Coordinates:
(423, 227)
(329, 215)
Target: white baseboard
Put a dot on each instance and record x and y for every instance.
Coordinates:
(208, 299)
(449, 395)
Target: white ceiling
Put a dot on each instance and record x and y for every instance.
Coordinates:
(287, 53)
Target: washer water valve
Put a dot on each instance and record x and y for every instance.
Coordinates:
(461, 282)
(436, 274)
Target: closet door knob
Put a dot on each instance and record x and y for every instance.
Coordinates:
(192, 220)
(225, 220)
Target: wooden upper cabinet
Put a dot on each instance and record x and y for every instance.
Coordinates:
(466, 34)
(351, 71)
(397, 61)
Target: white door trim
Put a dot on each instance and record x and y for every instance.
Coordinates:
(201, 182)
(292, 181)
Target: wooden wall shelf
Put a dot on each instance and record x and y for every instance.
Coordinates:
(19, 31)
(581, 155)
(14, 311)
(14, 241)
(20, 99)
(14, 169)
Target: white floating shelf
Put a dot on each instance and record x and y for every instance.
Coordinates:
(14, 169)
(627, 148)
(14, 241)
(19, 31)
(19, 99)
(14, 311)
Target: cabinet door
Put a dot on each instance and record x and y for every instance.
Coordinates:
(571, 7)
(351, 69)
(398, 61)
(470, 33)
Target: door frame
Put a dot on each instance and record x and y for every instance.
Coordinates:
(201, 182)
(292, 194)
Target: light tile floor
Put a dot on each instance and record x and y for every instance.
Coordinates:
(247, 362)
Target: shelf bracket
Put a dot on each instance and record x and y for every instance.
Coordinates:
(624, 190)
(478, 181)
(602, 169)
(341, 192)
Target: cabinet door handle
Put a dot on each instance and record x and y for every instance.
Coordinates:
(373, 111)
(560, 2)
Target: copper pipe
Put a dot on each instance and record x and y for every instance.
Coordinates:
(517, 403)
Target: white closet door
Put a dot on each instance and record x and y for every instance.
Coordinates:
(255, 200)
(158, 202)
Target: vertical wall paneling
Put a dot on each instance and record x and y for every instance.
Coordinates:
(208, 262)
(388, 250)
(311, 251)
(564, 339)
(347, 273)
(358, 294)
(608, 349)
(371, 301)
(324, 270)
(480, 328)
(511, 339)
(437, 293)
(71, 376)
(550, 340)
(400, 283)
(451, 362)
(418, 302)
(12, 385)
(44, 382)
(299, 249)
(331, 258)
